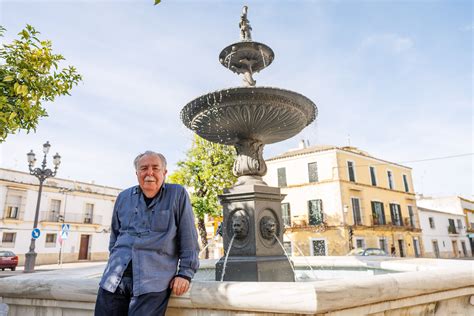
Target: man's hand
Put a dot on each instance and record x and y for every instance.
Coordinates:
(179, 285)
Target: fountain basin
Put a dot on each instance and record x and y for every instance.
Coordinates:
(425, 287)
(264, 114)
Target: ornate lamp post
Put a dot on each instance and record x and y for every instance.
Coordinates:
(42, 174)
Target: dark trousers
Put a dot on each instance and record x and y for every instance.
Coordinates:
(122, 302)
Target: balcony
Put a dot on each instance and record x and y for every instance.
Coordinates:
(78, 218)
(53, 217)
(378, 221)
(452, 230)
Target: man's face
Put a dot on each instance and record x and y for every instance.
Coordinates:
(150, 174)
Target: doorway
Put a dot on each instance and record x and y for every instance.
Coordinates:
(401, 247)
(84, 247)
(455, 248)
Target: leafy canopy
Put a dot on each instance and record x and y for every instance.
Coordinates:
(29, 75)
(206, 171)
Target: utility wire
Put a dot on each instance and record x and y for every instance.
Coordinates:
(409, 161)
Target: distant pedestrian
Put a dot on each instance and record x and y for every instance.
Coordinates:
(393, 251)
(153, 227)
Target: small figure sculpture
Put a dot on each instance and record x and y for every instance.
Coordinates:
(240, 224)
(244, 25)
(268, 227)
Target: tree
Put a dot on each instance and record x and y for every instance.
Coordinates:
(206, 171)
(29, 76)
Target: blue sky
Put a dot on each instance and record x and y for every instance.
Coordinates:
(393, 77)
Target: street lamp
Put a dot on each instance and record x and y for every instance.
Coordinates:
(42, 174)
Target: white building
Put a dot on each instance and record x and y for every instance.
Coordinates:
(87, 208)
(444, 234)
(455, 217)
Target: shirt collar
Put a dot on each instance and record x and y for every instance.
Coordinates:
(138, 190)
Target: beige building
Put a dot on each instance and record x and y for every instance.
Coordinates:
(85, 207)
(339, 198)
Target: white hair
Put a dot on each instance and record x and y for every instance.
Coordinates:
(149, 153)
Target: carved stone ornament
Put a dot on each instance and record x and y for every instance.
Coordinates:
(240, 225)
(268, 227)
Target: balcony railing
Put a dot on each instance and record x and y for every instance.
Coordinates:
(70, 218)
(452, 230)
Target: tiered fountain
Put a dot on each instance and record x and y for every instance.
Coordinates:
(249, 117)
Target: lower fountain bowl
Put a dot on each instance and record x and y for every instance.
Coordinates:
(266, 114)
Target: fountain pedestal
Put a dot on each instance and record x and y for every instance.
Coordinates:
(252, 220)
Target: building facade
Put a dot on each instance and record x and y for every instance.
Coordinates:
(340, 198)
(443, 234)
(87, 208)
(461, 210)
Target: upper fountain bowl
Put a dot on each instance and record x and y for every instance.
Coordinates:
(246, 56)
(265, 114)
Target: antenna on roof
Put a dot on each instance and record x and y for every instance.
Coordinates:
(349, 140)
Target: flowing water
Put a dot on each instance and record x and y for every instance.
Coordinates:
(302, 254)
(227, 257)
(286, 254)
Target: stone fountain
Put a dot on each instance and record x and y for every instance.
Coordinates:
(249, 117)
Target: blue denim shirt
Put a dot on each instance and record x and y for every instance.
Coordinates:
(153, 237)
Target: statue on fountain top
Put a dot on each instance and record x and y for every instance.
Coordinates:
(244, 26)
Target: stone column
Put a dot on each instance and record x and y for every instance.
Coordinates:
(252, 220)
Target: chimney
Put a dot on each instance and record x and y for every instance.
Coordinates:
(302, 144)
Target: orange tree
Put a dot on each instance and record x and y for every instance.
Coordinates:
(29, 76)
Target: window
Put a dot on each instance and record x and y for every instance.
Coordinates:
(383, 244)
(286, 214)
(13, 206)
(390, 179)
(360, 243)
(435, 248)
(318, 247)
(411, 215)
(459, 222)
(15, 203)
(89, 213)
(356, 211)
(8, 239)
(416, 247)
(315, 212)
(373, 178)
(396, 214)
(350, 169)
(50, 240)
(451, 227)
(55, 207)
(281, 177)
(432, 222)
(405, 183)
(12, 212)
(287, 248)
(464, 249)
(313, 172)
(378, 213)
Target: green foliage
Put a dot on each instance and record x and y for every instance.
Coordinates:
(157, 2)
(206, 171)
(29, 75)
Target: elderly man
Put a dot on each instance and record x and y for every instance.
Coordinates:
(152, 230)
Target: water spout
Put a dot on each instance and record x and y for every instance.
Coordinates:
(286, 254)
(304, 257)
(227, 257)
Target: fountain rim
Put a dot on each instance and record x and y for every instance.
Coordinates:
(200, 102)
